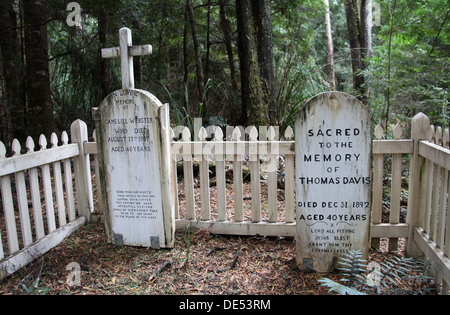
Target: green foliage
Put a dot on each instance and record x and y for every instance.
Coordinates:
(336, 287)
(31, 286)
(74, 69)
(35, 289)
(409, 72)
(397, 275)
(298, 82)
(411, 271)
(188, 237)
(352, 268)
(298, 67)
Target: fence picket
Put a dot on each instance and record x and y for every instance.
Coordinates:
(441, 195)
(442, 202)
(255, 175)
(438, 221)
(220, 176)
(396, 188)
(377, 197)
(22, 201)
(57, 176)
(447, 233)
(435, 201)
(237, 177)
(35, 194)
(82, 170)
(446, 139)
(433, 134)
(272, 176)
(48, 195)
(8, 208)
(420, 130)
(188, 176)
(204, 179)
(289, 185)
(428, 193)
(438, 136)
(67, 164)
(174, 178)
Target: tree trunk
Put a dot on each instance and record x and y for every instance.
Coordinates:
(40, 111)
(360, 40)
(254, 110)
(227, 31)
(353, 26)
(366, 31)
(389, 76)
(330, 48)
(12, 109)
(208, 39)
(198, 59)
(263, 33)
(105, 71)
(185, 52)
(137, 60)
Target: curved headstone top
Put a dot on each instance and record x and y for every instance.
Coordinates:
(333, 137)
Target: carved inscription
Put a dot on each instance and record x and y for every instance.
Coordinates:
(333, 156)
(131, 161)
(135, 205)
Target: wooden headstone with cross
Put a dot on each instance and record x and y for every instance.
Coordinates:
(134, 148)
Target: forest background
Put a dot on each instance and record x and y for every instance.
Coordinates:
(230, 62)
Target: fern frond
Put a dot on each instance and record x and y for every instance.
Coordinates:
(339, 288)
(388, 277)
(396, 267)
(353, 268)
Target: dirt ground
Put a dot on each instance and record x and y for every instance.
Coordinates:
(201, 263)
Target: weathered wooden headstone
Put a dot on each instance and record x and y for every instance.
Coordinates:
(333, 173)
(135, 159)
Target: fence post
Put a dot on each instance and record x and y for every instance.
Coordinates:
(82, 168)
(420, 130)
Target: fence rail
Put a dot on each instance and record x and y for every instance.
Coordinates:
(410, 189)
(428, 207)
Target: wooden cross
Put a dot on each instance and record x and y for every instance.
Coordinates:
(126, 52)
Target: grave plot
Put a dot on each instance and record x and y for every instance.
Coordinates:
(200, 263)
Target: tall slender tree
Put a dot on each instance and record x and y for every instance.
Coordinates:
(330, 47)
(39, 101)
(254, 110)
(105, 71)
(366, 29)
(262, 21)
(227, 32)
(198, 57)
(12, 109)
(358, 14)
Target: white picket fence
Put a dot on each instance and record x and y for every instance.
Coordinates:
(244, 162)
(42, 179)
(234, 217)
